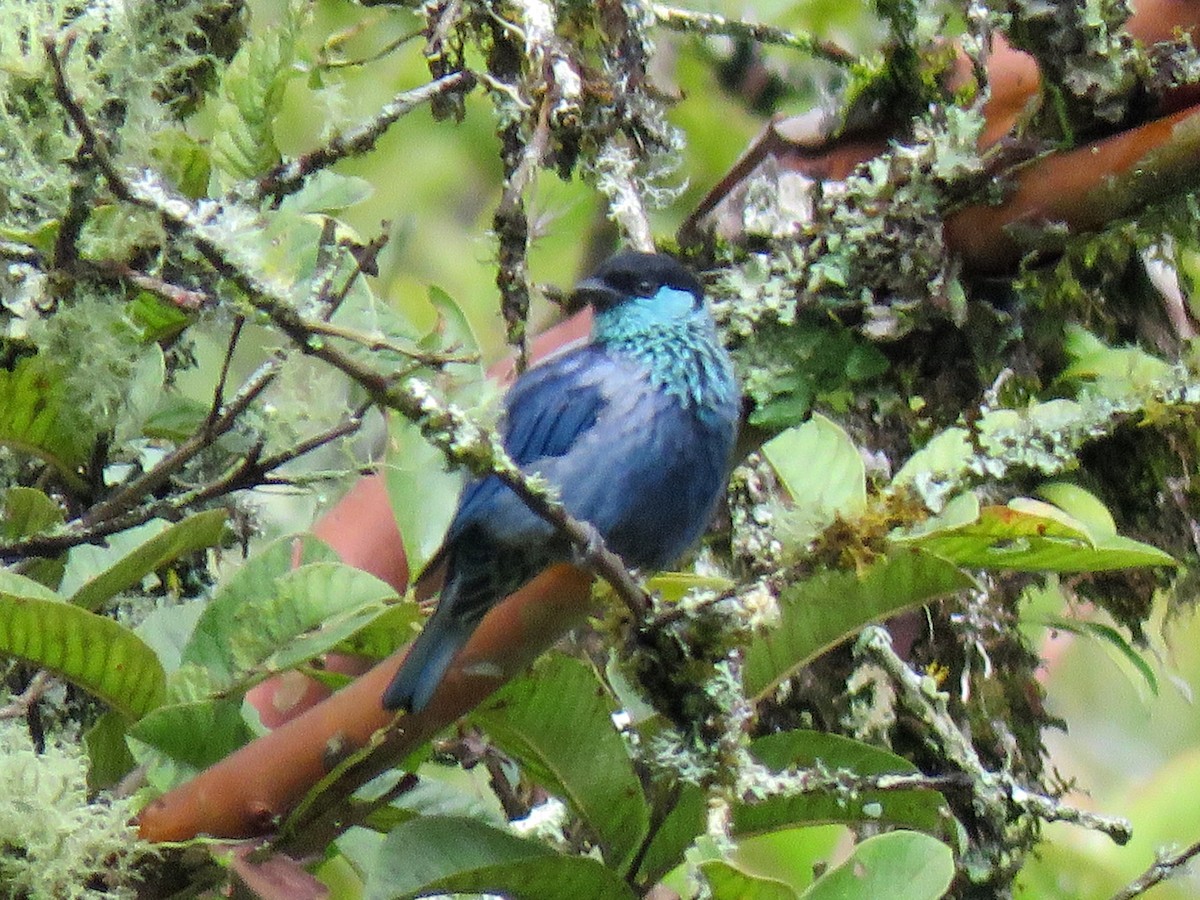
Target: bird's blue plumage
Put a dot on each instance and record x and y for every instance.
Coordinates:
(635, 431)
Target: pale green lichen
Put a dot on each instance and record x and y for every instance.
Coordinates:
(54, 842)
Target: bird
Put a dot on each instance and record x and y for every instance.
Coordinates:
(633, 429)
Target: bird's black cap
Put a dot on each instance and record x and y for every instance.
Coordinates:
(632, 274)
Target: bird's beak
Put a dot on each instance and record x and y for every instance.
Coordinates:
(596, 292)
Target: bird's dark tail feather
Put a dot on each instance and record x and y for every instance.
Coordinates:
(427, 661)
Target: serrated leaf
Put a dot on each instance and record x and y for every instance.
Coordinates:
(197, 532)
(558, 723)
(924, 810)
(832, 606)
(300, 614)
(35, 418)
(431, 855)
(727, 881)
(250, 97)
(822, 471)
(900, 865)
(99, 655)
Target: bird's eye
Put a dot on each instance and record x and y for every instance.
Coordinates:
(645, 288)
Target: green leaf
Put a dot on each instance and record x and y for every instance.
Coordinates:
(99, 655)
(36, 418)
(431, 855)
(832, 606)
(900, 865)
(155, 318)
(684, 822)
(300, 615)
(108, 754)
(1110, 637)
(822, 471)
(453, 331)
(729, 882)
(26, 511)
(422, 494)
(924, 810)
(558, 723)
(250, 97)
(197, 532)
(1031, 536)
(1082, 505)
(192, 736)
(175, 418)
(1116, 371)
(326, 191)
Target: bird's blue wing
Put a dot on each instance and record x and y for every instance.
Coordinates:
(546, 411)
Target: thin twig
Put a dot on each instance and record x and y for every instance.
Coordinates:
(693, 22)
(1162, 868)
(287, 178)
(20, 705)
(996, 794)
(378, 342)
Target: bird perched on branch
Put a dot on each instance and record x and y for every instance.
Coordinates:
(634, 430)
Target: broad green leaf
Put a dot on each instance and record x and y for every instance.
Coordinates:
(1030, 536)
(727, 881)
(326, 191)
(175, 418)
(832, 606)
(387, 632)
(900, 865)
(432, 855)
(1109, 637)
(558, 723)
(35, 418)
(108, 755)
(683, 823)
(822, 471)
(301, 614)
(197, 532)
(1082, 505)
(99, 655)
(453, 332)
(421, 492)
(26, 511)
(924, 810)
(155, 318)
(192, 736)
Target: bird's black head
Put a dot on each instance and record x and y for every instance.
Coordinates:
(631, 274)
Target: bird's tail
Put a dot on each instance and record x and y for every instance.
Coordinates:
(428, 659)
